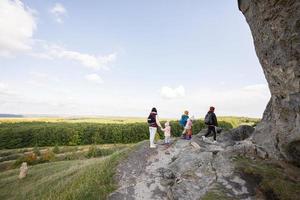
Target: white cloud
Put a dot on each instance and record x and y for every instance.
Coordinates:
(170, 93)
(95, 78)
(250, 101)
(39, 75)
(6, 94)
(2, 86)
(40, 79)
(17, 24)
(59, 11)
(88, 60)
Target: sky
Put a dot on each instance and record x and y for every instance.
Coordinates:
(121, 58)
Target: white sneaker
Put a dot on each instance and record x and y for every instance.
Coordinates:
(215, 142)
(203, 137)
(153, 146)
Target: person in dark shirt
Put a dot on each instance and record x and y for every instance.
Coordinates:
(211, 122)
(153, 123)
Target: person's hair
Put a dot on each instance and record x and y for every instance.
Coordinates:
(153, 110)
(211, 108)
(186, 112)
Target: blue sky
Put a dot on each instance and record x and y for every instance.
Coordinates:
(121, 58)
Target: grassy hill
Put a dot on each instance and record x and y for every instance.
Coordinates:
(87, 175)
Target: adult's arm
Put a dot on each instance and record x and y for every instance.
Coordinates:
(157, 122)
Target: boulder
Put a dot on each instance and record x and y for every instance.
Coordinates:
(275, 27)
(241, 133)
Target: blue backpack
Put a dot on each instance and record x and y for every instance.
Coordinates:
(183, 120)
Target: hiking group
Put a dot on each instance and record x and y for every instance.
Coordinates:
(185, 122)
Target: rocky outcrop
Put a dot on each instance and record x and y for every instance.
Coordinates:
(275, 27)
(201, 169)
(241, 133)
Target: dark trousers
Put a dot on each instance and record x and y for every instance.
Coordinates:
(211, 129)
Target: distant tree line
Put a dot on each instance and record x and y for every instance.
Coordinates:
(29, 134)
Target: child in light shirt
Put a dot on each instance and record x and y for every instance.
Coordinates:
(167, 132)
(188, 128)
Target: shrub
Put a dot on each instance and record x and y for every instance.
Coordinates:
(56, 149)
(47, 156)
(36, 150)
(30, 158)
(94, 151)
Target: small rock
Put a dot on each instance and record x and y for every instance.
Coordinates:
(195, 145)
(178, 180)
(166, 173)
(23, 170)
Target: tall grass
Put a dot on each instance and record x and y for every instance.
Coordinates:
(76, 179)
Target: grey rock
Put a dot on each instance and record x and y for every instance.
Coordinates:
(275, 27)
(241, 133)
(166, 173)
(166, 182)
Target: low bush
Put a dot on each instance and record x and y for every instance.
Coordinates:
(36, 151)
(56, 149)
(94, 151)
(47, 156)
(30, 158)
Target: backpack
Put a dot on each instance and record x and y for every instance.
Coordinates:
(151, 119)
(208, 119)
(183, 120)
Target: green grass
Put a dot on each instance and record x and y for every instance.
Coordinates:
(75, 179)
(214, 195)
(217, 192)
(274, 181)
(13, 158)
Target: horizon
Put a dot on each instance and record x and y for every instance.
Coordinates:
(64, 116)
(115, 58)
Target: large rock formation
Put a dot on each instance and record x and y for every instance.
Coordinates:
(275, 27)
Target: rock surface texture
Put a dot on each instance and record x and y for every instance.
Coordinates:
(186, 169)
(275, 27)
